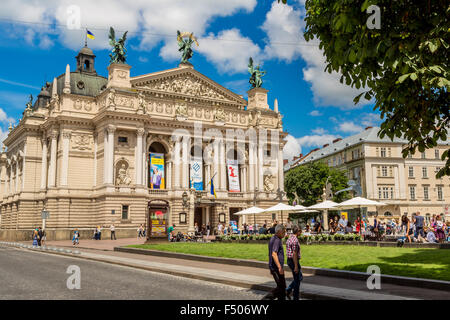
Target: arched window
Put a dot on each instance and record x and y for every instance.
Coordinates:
(387, 214)
(156, 165)
(87, 65)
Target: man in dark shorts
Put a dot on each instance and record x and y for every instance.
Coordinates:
(276, 264)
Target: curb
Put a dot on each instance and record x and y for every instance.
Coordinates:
(260, 287)
(354, 275)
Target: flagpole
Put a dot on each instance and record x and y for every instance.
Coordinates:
(85, 38)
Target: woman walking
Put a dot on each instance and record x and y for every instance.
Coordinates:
(76, 237)
(35, 238)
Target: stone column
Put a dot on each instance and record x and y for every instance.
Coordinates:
(191, 211)
(65, 157)
(216, 167)
(244, 185)
(44, 164)
(169, 175)
(95, 159)
(280, 169)
(52, 168)
(105, 157)
(23, 167)
(144, 160)
(223, 167)
(185, 164)
(397, 183)
(138, 161)
(260, 167)
(11, 178)
(110, 168)
(252, 163)
(17, 175)
(177, 165)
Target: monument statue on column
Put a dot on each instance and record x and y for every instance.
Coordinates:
(118, 52)
(185, 45)
(255, 74)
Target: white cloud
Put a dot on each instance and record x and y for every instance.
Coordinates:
(3, 136)
(315, 113)
(284, 27)
(143, 59)
(150, 21)
(292, 148)
(231, 53)
(4, 117)
(316, 140)
(349, 126)
(318, 131)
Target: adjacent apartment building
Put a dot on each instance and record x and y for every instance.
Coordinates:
(376, 165)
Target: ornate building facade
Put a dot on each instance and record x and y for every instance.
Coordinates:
(124, 150)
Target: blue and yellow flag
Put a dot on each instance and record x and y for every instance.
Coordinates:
(213, 190)
(90, 35)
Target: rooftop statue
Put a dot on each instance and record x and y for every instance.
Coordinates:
(256, 74)
(118, 54)
(29, 104)
(185, 45)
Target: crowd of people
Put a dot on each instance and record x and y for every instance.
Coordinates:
(39, 237)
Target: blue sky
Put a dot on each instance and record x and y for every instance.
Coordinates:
(40, 37)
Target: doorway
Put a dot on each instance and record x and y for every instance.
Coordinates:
(198, 217)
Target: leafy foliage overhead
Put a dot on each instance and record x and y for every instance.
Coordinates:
(404, 65)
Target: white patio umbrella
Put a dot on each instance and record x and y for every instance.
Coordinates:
(324, 206)
(299, 207)
(280, 207)
(251, 210)
(359, 202)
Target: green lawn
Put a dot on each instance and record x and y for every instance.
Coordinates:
(419, 263)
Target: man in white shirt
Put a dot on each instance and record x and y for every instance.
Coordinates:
(113, 232)
(220, 228)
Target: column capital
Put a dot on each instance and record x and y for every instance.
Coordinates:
(53, 134)
(66, 134)
(111, 128)
(140, 132)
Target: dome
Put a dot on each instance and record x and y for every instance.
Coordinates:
(86, 51)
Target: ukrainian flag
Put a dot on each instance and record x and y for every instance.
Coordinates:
(90, 35)
(213, 190)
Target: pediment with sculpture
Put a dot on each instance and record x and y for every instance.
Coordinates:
(189, 83)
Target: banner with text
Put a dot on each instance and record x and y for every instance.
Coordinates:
(233, 176)
(196, 177)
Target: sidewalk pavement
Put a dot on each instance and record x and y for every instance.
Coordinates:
(313, 286)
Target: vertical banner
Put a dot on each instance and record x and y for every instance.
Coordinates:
(156, 171)
(196, 177)
(233, 176)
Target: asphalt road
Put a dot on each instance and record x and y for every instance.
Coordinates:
(34, 276)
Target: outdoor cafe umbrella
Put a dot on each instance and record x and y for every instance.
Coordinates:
(251, 210)
(280, 207)
(325, 206)
(359, 202)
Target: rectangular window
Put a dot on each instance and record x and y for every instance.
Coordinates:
(424, 172)
(384, 171)
(123, 139)
(385, 193)
(125, 212)
(392, 192)
(425, 193)
(412, 192)
(440, 193)
(411, 172)
(383, 152)
(436, 154)
(423, 155)
(410, 155)
(379, 193)
(389, 152)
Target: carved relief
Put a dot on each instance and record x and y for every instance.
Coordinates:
(181, 113)
(207, 114)
(198, 112)
(268, 183)
(169, 108)
(141, 103)
(81, 142)
(243, 119)
(234, 117)
(112, 99)
(159, 107)
(122, 175)
(187, 85)
(219, 115)
(124, 101)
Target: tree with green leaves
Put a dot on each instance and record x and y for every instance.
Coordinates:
(403, 65)
(307, 182)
